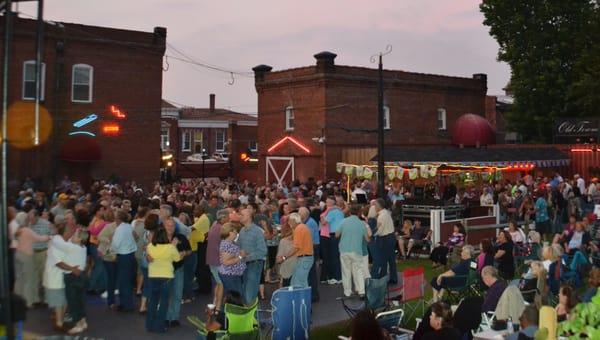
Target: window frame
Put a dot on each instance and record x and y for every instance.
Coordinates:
(43, 85)
(198, 141)
(165, 140)
(222, 149)
(91, 83)
(255, 149)
(387, 125)
(187, 134)
(290, 116)
(443, 119)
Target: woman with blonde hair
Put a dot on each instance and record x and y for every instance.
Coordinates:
(286, 245)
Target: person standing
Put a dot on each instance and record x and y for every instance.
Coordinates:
(352, 234)
(303, 250)
(41, 227)
(542, 218)
(232, 266)
(176, 286)
(254, 250)
(213, 241)
(333, 217)
(386, 242)
(160, 273)
(124, 246)
(312, 225)
(97, 273)
(109, 258)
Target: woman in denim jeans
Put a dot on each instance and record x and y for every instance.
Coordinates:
(161, 255)
(232, 267)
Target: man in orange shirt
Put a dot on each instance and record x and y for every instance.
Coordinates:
(303, 250)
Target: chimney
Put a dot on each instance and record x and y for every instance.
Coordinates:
(212, 103)
(160, 35)
(482, 77)
(325, 62)
(259, 72)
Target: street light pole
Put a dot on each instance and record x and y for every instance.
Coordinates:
(203, 160)
(380, 125)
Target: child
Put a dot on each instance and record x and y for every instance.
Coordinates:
(74, 263)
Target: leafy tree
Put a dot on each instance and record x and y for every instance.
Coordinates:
(552, 47)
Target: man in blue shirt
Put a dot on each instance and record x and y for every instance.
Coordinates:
(123, 244)
(542, 220)
(314, 231)
(254, 250)
(334, 218)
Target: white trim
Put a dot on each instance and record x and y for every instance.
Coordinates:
(90, 85)
(387, 124)
(255, 144)
(167, 145)
(444, 119)
(43, 85)
(169, 113)
(290, 115)
(272, 168)
(189, 134)
(193, 123)
(247, 123)
(217, 141)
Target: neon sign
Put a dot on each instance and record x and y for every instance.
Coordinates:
(87, 133)
(291, 139)
(85, 121)
(111, 129)
(117, 112)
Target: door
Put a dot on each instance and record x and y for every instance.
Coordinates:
(280, 169)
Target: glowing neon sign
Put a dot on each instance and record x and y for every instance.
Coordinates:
(291, 139)
(111, 129)
(85, 121)
(117, 112)
(87, 133)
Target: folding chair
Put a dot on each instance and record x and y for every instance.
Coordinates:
(456, 294)
(240, 323)
(412, 292)
(375, 291)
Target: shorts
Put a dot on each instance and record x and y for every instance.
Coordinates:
(214, 271)
(543, 227)
(56, 297)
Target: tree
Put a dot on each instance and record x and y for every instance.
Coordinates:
(552, 49)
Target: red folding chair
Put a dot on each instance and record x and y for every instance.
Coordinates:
(410, 294)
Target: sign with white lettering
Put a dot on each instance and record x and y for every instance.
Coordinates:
(582, 130)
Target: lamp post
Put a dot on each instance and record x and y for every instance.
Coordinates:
(380, 124)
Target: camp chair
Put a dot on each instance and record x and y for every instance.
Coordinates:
(510, 297)
(375, 291)
(240, 323)
(411, 293)
(290, 314)
(456, 294)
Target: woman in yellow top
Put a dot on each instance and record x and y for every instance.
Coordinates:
(161, 254)
(195, 264)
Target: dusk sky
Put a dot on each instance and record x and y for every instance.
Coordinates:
(428, 36)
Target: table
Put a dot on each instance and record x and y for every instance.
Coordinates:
(490, 334)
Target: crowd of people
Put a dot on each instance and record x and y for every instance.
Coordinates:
(175, 241)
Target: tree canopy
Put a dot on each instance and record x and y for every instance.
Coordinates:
(553, 49)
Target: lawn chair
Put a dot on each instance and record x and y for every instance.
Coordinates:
(240, 323)
(411, 292)
(510, 305)
(456, 294)
(291, 313)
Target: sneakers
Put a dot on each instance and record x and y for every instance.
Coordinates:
(79, 327)
(334, 282)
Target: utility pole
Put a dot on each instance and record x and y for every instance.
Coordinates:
(380, 125)
(5, 291)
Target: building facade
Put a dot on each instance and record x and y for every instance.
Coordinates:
(101, 89)
(309, 116)
(222, 136)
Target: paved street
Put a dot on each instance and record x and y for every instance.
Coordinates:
(105, 324)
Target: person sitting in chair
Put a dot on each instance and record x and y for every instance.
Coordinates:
(528, 323)
(455, 277)
(496, 286)
(441, 322)
(418, 237)
(439, 255)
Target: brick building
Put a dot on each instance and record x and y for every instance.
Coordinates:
(102, 89)
(186, 132)
(310, 116)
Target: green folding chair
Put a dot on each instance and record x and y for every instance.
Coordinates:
(240, 323)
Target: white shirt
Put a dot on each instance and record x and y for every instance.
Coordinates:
(359, 191)
(581, 185)
(385, 224)
(13, 226)
(53, 276)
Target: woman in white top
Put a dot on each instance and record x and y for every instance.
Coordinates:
(516, 234)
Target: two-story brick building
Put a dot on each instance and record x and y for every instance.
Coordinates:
(308, 117)
(223, 135)
(102, 89)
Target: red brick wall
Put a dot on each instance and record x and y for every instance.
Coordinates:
(127, 73)
(329, 104)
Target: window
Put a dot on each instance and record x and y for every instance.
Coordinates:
(198, 141)
(29, 90)
(289, 118)
(441, 118)
(386, 118)
(220, 144)
(186, 141)
(253, 146)
(164, 139)
(83, 80)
